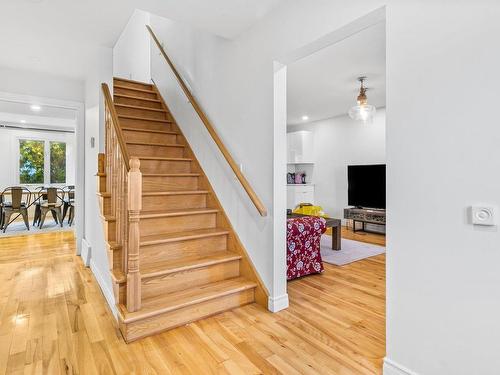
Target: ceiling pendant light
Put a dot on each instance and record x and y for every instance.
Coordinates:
(363, 111)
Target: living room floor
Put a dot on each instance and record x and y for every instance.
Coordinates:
(54, 319)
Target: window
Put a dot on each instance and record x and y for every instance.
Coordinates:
(42, 162)
(31, 162)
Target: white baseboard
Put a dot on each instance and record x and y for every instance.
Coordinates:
(393, 368)
(108, 293)
(86, 252)
(278, 303)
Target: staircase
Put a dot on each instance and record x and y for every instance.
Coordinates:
(174, 257)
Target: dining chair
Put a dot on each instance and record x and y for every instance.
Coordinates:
(1, 211)
(53, 204)
(69, 203)
(16, 205)
(39, 197)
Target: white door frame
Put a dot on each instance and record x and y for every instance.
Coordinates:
(79, 108)
(280, 120)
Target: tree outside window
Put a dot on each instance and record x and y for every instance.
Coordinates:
(42, 162)
(57, 162)
(31, 163)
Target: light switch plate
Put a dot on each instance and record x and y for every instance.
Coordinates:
(484, 215)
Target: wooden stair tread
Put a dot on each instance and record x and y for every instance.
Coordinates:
(173, 301)
(182, 236)
(137, 98)
(183, 212)
(128, 128)
(132, 81)
(187, 263)
(156, 144)
(179, 265)
(161, 158)
(142, 118)
(174, 192)
(114, 245)
(140, 107)
(118, 86)
(118, 276)
(171, 175)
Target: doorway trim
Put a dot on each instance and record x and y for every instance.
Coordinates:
(79, 108)
(279, 146)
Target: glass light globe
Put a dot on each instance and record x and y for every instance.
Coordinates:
(363, 112)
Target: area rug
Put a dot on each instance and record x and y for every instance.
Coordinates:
(17, 228)
(352, 251)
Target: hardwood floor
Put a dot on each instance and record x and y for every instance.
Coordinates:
(54, 320)
(370, 237)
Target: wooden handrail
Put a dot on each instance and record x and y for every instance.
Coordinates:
(208, 125)
(116, 124)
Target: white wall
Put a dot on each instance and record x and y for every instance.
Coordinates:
(40, 84)
(339, 142)
(101, 70)
(9, 153)
(442, 151)
(131, 53)
(443, 284)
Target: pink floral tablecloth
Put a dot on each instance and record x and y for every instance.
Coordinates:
(303, 238)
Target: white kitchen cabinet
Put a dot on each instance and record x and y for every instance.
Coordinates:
(297, 194)
(300, 147)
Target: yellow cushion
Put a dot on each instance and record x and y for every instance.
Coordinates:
(310, 210)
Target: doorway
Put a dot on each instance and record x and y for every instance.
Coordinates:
(42, 155)
(318, 147)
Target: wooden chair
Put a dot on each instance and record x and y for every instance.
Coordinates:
(15, 206)
(54, 202)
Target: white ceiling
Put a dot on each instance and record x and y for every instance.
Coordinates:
(325, 85)
(48, 117)
(59, 36)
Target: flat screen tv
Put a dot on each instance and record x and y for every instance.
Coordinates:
(366, 186)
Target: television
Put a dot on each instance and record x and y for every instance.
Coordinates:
(366, 186)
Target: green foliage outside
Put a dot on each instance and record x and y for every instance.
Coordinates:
(57, 162)
(31, 162)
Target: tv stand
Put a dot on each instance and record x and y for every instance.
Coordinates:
(364, 216)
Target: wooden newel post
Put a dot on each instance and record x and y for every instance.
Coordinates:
(134, 209)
